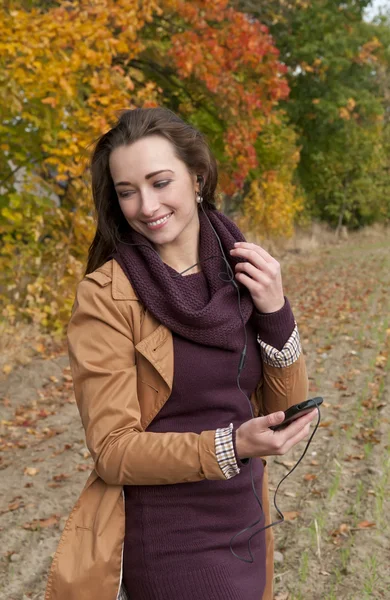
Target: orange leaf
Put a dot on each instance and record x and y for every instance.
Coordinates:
(61, 477)
(83, 467)
(291, 515)
(41, 523)
(50, 100)
(366, 524)
(342, 530)
(15, 505)
(309, 477)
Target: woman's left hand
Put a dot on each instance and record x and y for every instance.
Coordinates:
(262, 276)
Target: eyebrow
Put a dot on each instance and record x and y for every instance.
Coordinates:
(148, 176)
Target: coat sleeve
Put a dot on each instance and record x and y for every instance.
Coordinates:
(282, 387)
(103, 367)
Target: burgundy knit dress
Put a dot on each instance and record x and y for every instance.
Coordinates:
(177, 536)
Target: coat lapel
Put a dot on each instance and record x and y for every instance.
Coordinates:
(157, 348)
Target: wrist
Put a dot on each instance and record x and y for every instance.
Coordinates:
(272, 309)
(239, 447)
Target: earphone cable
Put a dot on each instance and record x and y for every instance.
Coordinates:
(228, 277)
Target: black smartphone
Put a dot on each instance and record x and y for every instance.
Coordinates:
(298, 410)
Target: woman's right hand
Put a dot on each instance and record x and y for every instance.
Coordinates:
(255, 438)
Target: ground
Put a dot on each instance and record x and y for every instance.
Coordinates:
(336, 538)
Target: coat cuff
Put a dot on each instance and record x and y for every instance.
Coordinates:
(226, 451)
(275, 328)
(290, 352)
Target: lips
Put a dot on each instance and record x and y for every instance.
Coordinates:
(159, 222)
(157, 219)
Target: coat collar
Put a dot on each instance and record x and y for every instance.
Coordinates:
(156, 346)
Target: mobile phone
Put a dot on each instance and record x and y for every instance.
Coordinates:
(296, 411)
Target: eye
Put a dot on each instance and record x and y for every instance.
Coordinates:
(126, 194)
(161, 184)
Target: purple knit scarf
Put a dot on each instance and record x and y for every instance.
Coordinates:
(182, 303)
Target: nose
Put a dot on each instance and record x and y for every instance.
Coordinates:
(149, 204)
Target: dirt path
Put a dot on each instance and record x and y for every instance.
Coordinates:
(336, 543)
(338, 547)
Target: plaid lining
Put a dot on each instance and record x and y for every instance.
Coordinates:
(224, 450)
(285, 357)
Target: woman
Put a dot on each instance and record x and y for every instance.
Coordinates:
(155, 340)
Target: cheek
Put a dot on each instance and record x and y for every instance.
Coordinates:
(128, 208)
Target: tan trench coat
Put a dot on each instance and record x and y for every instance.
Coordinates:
(122, 366)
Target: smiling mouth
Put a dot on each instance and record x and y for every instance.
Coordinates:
(152, 224)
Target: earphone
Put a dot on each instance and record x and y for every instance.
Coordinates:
(227, 276)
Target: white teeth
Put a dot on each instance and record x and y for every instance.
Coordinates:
(154, 223)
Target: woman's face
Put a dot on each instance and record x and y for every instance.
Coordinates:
(156, 192)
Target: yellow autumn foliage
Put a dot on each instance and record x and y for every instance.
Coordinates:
(271, 207)
(66, 69)
(273, 202)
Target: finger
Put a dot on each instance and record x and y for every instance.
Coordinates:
(257, 248)
(296, 434)
(296, 426)
(253, 272)
(273, 419)
(291, 442)
(252, 256)
(250, 283)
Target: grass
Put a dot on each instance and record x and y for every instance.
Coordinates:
(371, 579)
(304, 567)
(381, 490)
(346, 492)
(335, 484)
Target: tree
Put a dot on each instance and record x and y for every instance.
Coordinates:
(335, 104)
(66, 68)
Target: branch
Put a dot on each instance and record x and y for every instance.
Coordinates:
(168, 73)
(28, 161)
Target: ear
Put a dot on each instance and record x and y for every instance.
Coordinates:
(200, 181)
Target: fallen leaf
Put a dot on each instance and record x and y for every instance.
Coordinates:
(61, 476)
(354, 457)
(7, 369)
(291, 515)
(380, 361)
(14, 505)
(342, 530)
(290, 494)
(366, 524)
(83, 467)
(309, 477)
(286, 463)
(282, 596)
(32, 471)
(42, 523)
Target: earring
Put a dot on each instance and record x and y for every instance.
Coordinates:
(199, 198)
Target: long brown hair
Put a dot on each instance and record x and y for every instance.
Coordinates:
(189, 145)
